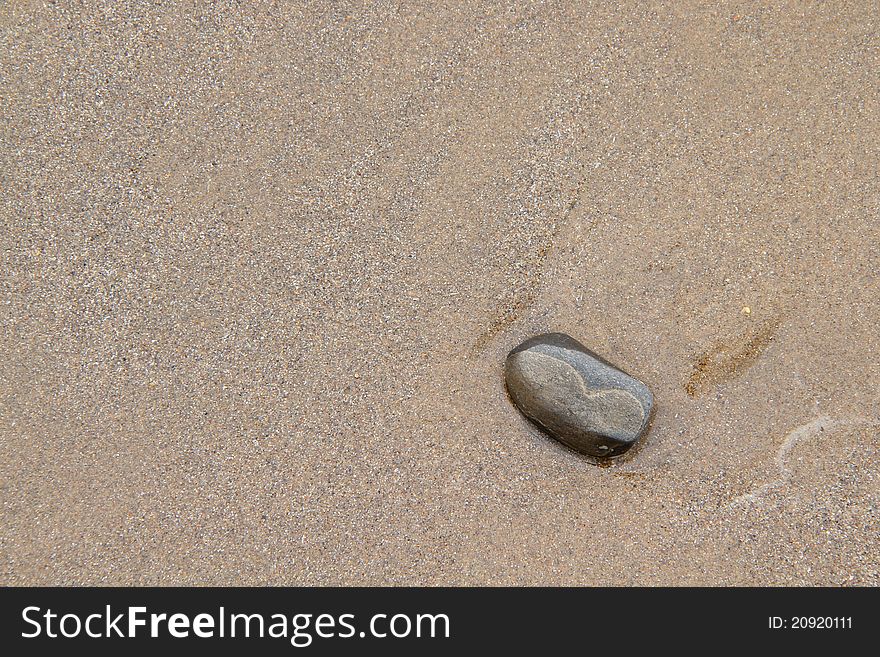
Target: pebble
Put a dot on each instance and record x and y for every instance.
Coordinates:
(576, 396)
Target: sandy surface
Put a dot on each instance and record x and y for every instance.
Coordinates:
(260, 267)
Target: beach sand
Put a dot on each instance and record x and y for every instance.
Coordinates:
(260, 267)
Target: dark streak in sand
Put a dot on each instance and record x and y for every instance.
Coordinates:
(523, 298)
(728, 360)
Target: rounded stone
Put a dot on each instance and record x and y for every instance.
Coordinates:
(579, 398)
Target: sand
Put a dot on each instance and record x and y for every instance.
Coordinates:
(260, 266)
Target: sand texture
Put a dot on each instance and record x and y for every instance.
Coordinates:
(261, 264)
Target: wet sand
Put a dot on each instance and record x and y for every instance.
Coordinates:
(260, 267)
